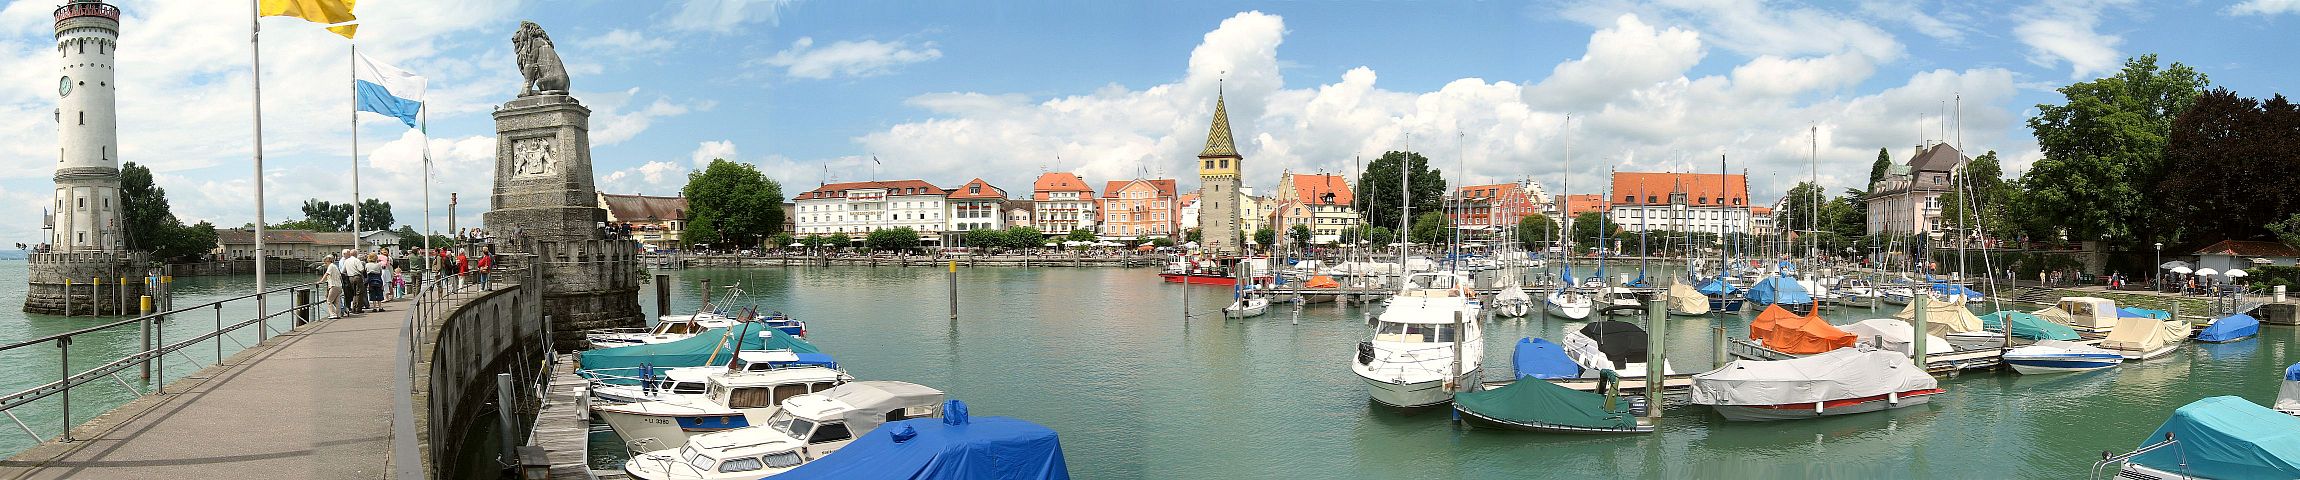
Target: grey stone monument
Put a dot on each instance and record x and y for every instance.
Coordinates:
(545, 204)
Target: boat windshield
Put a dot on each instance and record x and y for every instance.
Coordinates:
(794, 426)
(696, 458)
(1430, 282)
(784, 459)
(687, 387)
(1413, 332)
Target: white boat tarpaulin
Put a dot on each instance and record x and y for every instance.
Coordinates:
(1945, 317)
(1898, 336)
(1686, 299)
(1837, 374)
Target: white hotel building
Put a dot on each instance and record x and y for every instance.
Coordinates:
(857, 208)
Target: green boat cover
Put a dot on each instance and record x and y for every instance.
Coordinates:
(1536, 401)
(694, 351)
(2027, 326)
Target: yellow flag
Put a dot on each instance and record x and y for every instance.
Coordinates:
(346, 30)
(324, 12)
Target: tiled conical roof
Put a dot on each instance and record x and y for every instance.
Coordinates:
(1218, 143)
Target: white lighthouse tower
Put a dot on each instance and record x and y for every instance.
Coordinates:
(85, 216)
(86, 265)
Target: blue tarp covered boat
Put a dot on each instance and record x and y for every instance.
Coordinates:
(1783, 291)
(950, 448)
(1958, 290)
(1723, 297)
(1538, 358)
(697, 350)
(2226, 437)
(2229, 329)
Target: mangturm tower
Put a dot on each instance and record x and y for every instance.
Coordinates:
(85, 238)
(1218, 169)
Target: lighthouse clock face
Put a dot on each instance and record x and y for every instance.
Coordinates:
(64, 86)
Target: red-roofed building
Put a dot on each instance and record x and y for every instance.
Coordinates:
(1498, 205)
(1323, 202)
(1680, 202)
(1064, 203)
(1139, 209)
(861, 207)
(976, 206)
(2241, 254)
(655, 221)
(1575, 205)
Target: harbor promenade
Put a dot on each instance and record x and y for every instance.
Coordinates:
(314, 403)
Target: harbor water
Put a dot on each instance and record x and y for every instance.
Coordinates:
(1105, 358)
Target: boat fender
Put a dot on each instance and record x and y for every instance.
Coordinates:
(1892, 398)
(1818, 408)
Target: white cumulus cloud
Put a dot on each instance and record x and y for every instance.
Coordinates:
(723, 16)
(2264, 7)
(848, 58)
(2068, 31)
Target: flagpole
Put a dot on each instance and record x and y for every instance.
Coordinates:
(425, 111)
(356, 244)
(256, 62)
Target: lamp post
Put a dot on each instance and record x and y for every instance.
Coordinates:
(2159, 265)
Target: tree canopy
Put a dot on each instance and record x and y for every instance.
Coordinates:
(149, 225)
(1877, 170)
(1382, 202)
(1588, 225)
(892, 239)
(2235, 155)
(1534, 229)
(2103, 150)
(731, 203)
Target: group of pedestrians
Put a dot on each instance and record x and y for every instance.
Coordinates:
(359, 282)
(465, 266)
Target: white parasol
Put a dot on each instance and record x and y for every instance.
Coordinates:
(2181, 270)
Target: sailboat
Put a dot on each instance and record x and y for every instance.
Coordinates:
(1511, 301)
(1568, 302)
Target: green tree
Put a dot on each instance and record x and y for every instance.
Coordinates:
(1162, 242)
(1080, 235)
(1382, 202)
(813, 240)
(984, 239)
(1265, 237)
(731, 203)
(1798, 214)
(892, 239)
(149, 226)
(2232, 150)
(780, 240)
(323, 216)
(374, 215)
(1877, 170)
(1381, 236)
(1024, 237)
(1430, 227)
(839, 241)
(1300, 234)
(1588, 225)
(2104, 149)
(1190, 235)
(188, 241)
(1986, 207)
(1534, 229)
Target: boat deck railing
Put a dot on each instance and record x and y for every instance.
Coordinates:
(151, 356)
(2107, 458)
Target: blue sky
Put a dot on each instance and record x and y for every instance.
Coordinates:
(949, 91)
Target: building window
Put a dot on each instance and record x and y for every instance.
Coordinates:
(1209, 164)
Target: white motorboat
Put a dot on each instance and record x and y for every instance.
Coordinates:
(1620, 301)
(1570, 304)
(1854, 292)
(2288, 395)
(1247, 306)
(1837, 382)
(669, 328)
(1610, 345)
(631, 385)
(810, 426)
(2056, 356)
(1896, 296)
(2140, 338)
(730, 400)
(1411, 358)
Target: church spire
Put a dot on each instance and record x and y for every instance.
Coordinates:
(1218, 142)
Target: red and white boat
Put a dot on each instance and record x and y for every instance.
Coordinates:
(1220, 271)
(1844, 381)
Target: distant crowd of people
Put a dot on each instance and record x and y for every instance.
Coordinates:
(360, 282)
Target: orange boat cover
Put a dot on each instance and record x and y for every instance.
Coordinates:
(1806, 335)
(1322, 281)
(1767, 321)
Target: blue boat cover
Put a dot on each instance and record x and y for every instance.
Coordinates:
(1568, 275)
(2227, 437)
(2292, 373)
(1538, 358)
(1947, 289)
(2137, 312)
(2229, 328)
(951, 448)
(1715, 287)
(1640, 281)
(695, 351)
(1781, 290)
(2027, 326)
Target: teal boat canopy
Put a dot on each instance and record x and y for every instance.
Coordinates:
(1536, 401)
(695, 351)
(2027, 326)
(2227, 437)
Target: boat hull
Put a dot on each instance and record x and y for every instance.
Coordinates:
(1198, 279)
(1569, 313)
(1800, 411)
(1512, 310)
(1409, 395)
(2148, 355)
(1251, 311)
(670, 430)
(1473, 418)
(1725, 304)
(2044, 364)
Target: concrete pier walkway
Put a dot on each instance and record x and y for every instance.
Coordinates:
(312, 404)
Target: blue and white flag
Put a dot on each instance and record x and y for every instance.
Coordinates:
(386, 89)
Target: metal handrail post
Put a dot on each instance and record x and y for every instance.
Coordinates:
(64, 362)
(219, 333)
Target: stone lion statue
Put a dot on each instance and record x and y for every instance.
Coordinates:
(539, 64)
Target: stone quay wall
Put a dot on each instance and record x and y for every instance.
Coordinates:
(498, 331)
(588, 284)
(85, 283)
